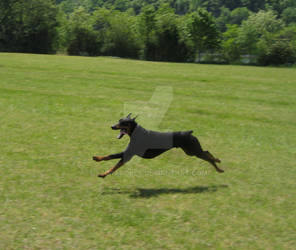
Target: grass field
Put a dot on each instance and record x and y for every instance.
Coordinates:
(56, 112)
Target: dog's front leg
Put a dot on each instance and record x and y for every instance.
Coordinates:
(112, 170)
(108, 157)
(101, 158)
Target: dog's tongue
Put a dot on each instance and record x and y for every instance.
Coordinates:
(121, 133)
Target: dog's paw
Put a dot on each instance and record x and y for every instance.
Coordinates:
(96, 158)
(102, 175)
(220, 170)
(217, 160)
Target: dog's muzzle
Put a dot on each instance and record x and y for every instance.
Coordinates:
(122, 131)
(114, 127)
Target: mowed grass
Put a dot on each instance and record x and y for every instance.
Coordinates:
(56, 112)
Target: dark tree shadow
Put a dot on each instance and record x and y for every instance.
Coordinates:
(154, 192)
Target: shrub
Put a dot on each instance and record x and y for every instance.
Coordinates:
(84, 42)
(278, 53)
(121, 37)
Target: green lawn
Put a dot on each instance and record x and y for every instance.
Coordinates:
(56, 112)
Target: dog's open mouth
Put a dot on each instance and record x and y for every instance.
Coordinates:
(122, 133)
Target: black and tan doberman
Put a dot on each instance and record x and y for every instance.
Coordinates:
(149, 144)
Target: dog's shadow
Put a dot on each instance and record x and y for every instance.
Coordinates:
(154, 192)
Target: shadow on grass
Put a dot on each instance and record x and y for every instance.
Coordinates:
(154, 192)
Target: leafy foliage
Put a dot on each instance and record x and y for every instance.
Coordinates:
(161, 35)
(203, 31)
(257, 25)
(121, 36)
(83, 39)
(230, 45)
(277, 53)
(28, 26)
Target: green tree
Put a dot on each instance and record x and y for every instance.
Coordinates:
(170, 46)
(122, 36)
(275, 52)
(161, 35)
(181, 6)
(82, 38)
(256, 26)
(40, 26)
(63, 39)
(8, 25)
(238, 15)
(28, 26)
(289, 15)
(118, 32)
(288, 33)
(196, 4)
(230, 46)
(253, 5)
(223, 19)
(147, 26)
(69, 6)
(203, 31)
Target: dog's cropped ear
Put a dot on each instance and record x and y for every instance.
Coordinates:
(129, 115)
(135, 117)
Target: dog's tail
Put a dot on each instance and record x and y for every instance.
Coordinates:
(189, 132)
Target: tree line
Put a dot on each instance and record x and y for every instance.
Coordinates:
(219, 31)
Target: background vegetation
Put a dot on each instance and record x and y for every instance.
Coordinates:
(220, 31)
(56, 112)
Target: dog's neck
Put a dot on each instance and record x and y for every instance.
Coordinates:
(132, 129)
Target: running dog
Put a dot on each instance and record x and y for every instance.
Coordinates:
(149, 144)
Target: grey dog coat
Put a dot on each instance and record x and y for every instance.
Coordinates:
(149, 144)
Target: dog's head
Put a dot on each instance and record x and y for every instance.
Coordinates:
(126, 126)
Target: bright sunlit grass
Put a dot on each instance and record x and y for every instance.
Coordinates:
(56, 112)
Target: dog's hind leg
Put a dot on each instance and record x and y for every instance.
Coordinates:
(212, 157)
(191, 146)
